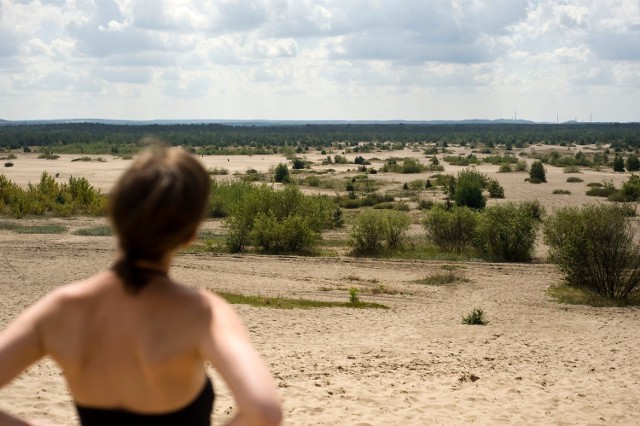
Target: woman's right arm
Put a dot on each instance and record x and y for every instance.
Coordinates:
(229, 349)
(21, 346)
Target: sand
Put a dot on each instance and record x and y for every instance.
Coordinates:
(536, 362)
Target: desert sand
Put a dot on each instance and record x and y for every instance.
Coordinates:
(536, 362)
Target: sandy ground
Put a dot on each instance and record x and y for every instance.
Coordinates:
(536, 362)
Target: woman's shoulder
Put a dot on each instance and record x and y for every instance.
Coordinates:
(76, 291)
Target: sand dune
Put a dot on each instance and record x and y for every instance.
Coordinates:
(536, 362)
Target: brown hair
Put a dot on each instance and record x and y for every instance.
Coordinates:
(156, 205)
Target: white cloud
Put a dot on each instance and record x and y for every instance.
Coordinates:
(319, 59)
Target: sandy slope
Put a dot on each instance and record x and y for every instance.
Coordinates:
(537, 362)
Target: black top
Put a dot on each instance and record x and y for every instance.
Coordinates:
(196, 413)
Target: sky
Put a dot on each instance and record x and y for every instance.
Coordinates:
(541, 60)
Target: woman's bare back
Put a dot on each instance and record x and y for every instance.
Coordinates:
(138, 352)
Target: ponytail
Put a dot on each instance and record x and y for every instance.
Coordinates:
(134, 276)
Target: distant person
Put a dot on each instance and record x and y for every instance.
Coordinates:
(131, 341)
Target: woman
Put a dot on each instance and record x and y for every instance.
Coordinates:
(131, 342)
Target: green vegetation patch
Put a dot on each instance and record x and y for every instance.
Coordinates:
(475, 317)
(442, 279)
(32, 229)
(575, 296)
(94, 231)
(289, 303)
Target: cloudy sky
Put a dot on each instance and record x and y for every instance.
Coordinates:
(315, 60)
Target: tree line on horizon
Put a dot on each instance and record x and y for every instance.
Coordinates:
(256, 139)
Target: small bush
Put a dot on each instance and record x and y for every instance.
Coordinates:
(505, 168)
(281, 173)
(572, 169)
(618, 164)
(353, 295)
(537, 173)
(215, 171)
(425, 204)
(630, 190)
(520, 166)
(375, 230)
(594, 246)
(8, 164)
(561, 192)
(633, 163)
(574, 179)
(468, 189)
(495, 189)
(475, 317)
(451, 230)
(534, 209)
(277, 220)
(507, 232)
(48, 155)
(605, 189)
(439, 279)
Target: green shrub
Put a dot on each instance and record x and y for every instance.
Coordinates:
(520, 166)
(277, 220)
(601, 190)
(495, 189)
(76, 196)
(367, 233)
(618, 164)
(376, 230)
(632, 163)
(537, 173)
(451, 230)
(368, 200)
(572, 169)
(411, 165)
(507, 232)
(475, 317)
(224, 194)
(461, 160)
(215, 171)
(353, 295)
(574, 179)
(96, 231)
(534, 209)
(33, 229)
(397, 224)
(297, 163)
(630, 190)
(468, 189)
(505, 168)
(561, 192)
(594, 247)
(289, 234)
(48, 155)
(425, 204)
(281, 173)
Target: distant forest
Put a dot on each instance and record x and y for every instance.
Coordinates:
(98, 138)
